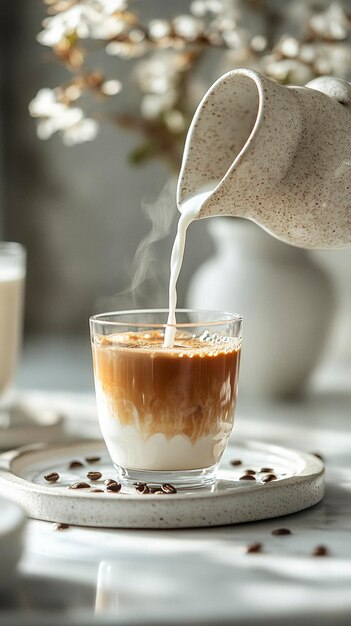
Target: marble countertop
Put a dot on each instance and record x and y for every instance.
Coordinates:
(93, 576)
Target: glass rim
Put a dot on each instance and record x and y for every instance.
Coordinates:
(231, 318)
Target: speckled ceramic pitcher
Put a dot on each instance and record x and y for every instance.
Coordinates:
(280, 156)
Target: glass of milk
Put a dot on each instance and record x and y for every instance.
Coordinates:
(12, 279)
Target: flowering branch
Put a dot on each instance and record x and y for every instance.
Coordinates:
(167, 54)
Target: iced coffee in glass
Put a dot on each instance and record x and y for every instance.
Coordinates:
(166, 413)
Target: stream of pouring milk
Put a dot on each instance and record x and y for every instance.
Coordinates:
(189, 210)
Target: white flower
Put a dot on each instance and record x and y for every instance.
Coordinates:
(89, 18)
(331, 24)
(64, 118)
(76, 19)
(175, 121)
(233, 39)
(157, 74)
(188, 27)
(107, 28)
(337, 56)
(307, 53)
(111, 6)
(55, 116)
(158, 29)
(73, 92)
(225, 23)
(290, 70)
(322, 66)
(111, 87)
(258, 43)
(153, 105)
(127, 49)
(201, 7)
(84, 130)
(289, 46)
(217, 6)
(44, 104)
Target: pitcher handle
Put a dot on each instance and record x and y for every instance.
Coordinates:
(333, 87)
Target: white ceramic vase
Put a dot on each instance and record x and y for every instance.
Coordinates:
(286, 300)
(337, 264)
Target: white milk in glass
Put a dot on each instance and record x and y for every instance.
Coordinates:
(11, 312)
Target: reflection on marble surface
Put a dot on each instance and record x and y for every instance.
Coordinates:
(37, 593)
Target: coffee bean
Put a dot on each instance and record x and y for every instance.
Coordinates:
(52, 478)
(114, 487)
(153, 490)
(266, 469)
(59, 526)
(142, 488)
(281, 531)
(253, 548)
(168, 488)
(320, 551)
(269, 478)
(236, 462)
(79, 486)
(109, 481)
(247, 477)
(92, 459)
(250, 472)
(94, 475)
(75, 464)
(96, 491)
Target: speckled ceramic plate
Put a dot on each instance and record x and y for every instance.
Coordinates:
(299, 484)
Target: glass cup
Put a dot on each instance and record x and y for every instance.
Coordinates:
(166, 413)
(12, 279)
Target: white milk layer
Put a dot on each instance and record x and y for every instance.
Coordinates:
(11, 310)
(129, 449)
